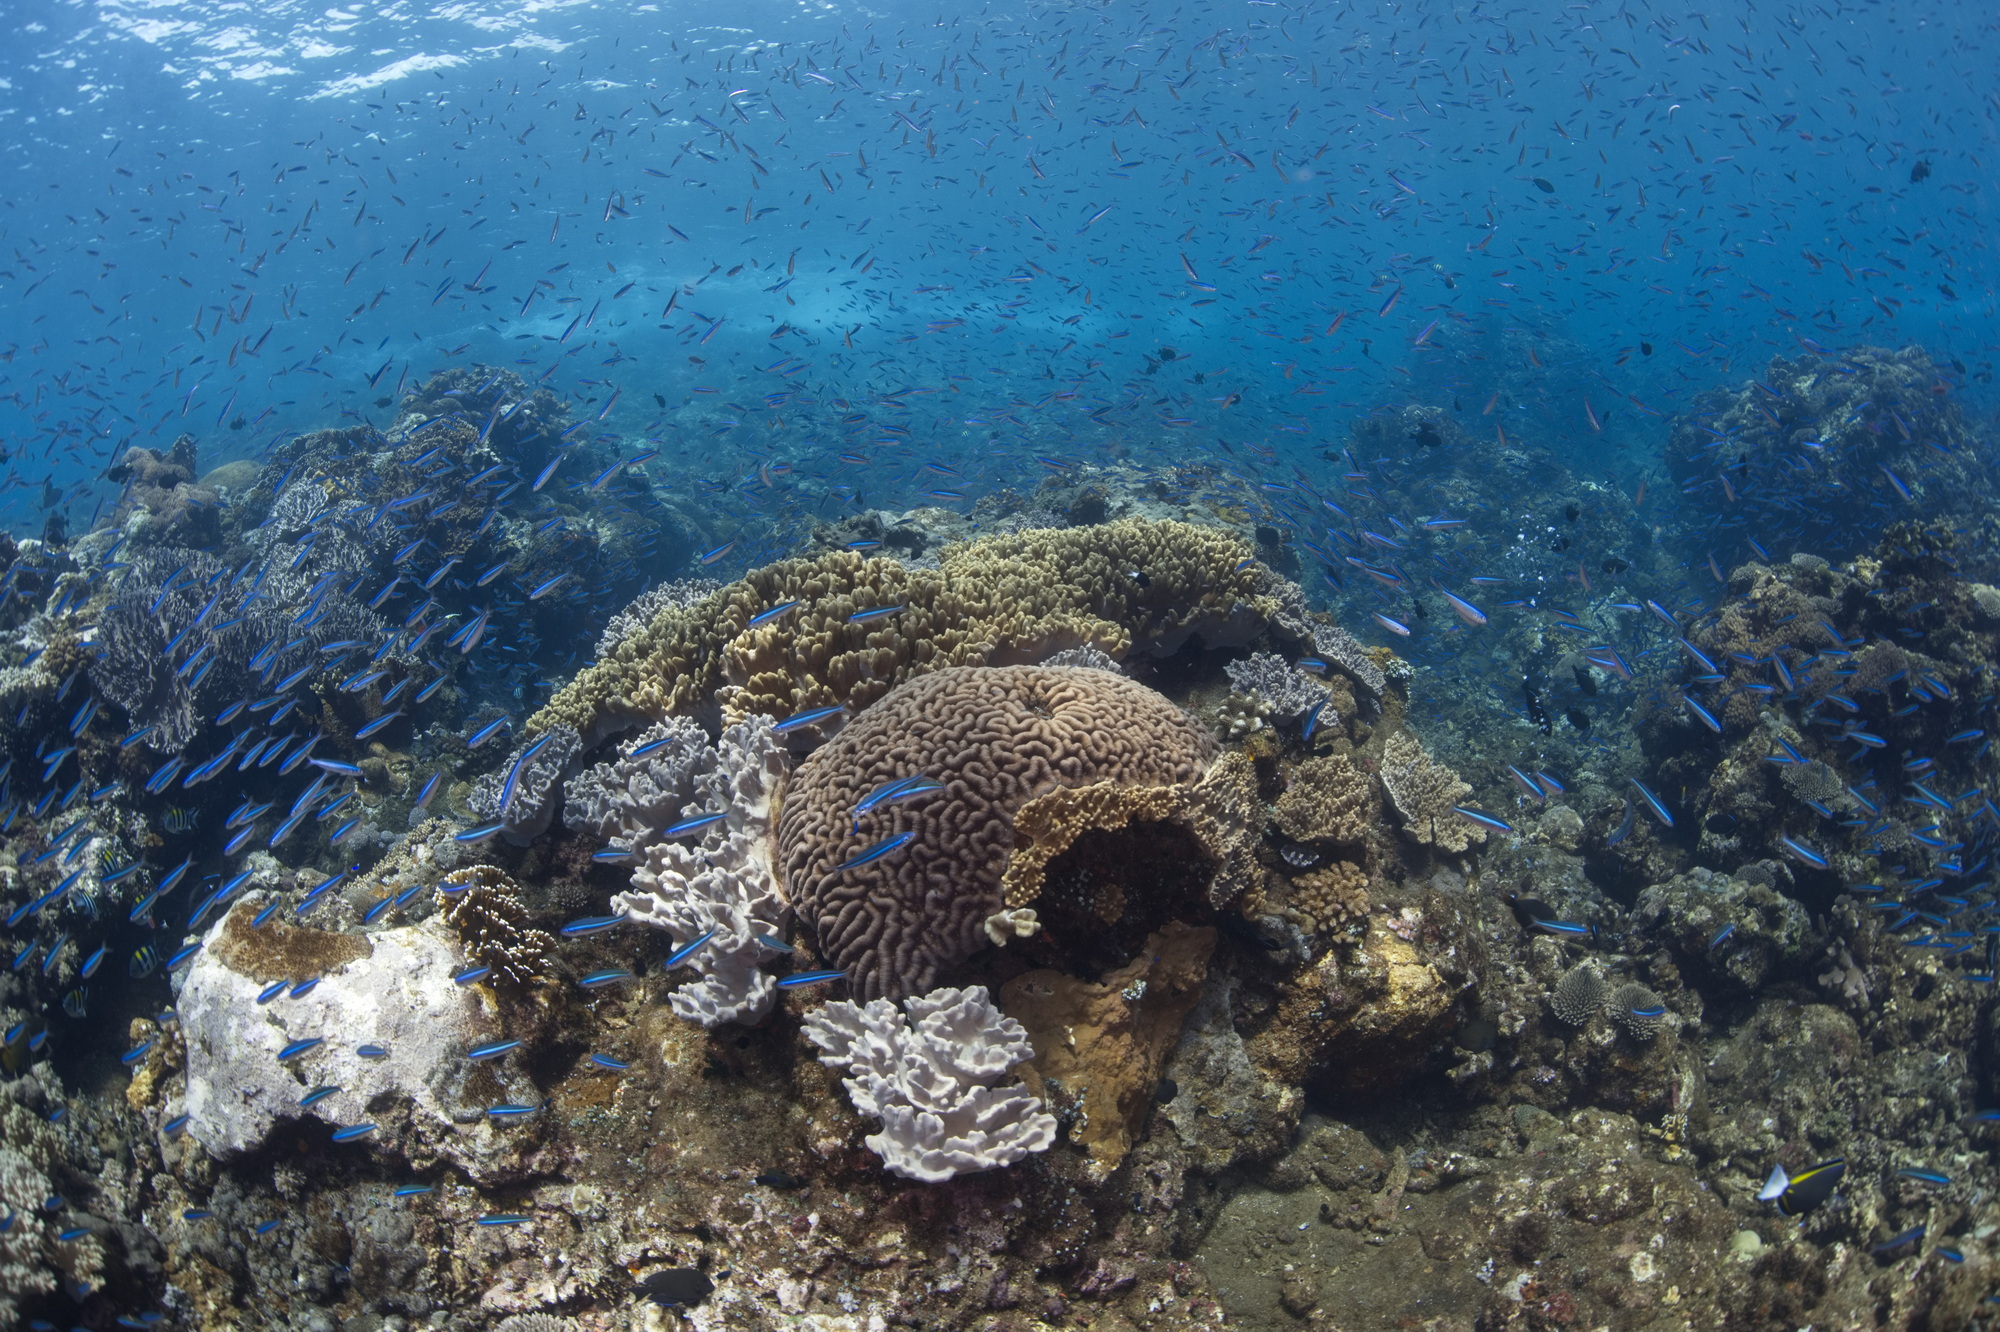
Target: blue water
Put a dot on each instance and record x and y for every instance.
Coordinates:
(764, 233)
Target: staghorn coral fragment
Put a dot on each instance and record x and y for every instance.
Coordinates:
(1126, 587)
(1424, 791)
(491, 924)
(931, 1081)
(1328, 800)
(996, 738)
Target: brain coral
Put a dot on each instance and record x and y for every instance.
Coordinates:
(1003, 600)
(996, 738)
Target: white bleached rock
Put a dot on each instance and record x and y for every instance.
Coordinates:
(426, 1097)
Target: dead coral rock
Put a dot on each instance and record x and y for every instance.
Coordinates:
(1357, 1022)
(1106, 1042)
(1328, 800)
(997, 738)
(484, 907)
(1227, 1108)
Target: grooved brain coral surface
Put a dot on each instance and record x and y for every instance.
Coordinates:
(996, 737)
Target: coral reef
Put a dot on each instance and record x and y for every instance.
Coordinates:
(535, 772)
(484, 909)
(1423, 793)
(932, 1079)
(1122, 587)
(722, 889)
(161, 493)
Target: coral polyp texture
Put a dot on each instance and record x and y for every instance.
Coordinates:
(995, 738)
(933, 1080)
(1125, 587)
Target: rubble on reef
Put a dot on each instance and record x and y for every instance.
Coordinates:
(1113, 954)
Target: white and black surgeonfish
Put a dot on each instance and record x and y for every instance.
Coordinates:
(1798, 1194)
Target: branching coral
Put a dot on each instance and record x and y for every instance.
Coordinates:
(996, 738)
(724, 886)
(1423, 792)
(1579, 994)
(538, 786)
(930, 1081)
(1123, 587)
(484, 907)
(1288, 692)
(1330, 900)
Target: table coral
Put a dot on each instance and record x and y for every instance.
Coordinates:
(996, 738)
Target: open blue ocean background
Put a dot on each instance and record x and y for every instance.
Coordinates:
(845, 242)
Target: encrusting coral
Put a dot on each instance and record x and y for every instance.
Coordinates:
(930, 1081)
(996, 738)
(723, 886)
(1123, 587)
(1105, 1042)
(1424, 791)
